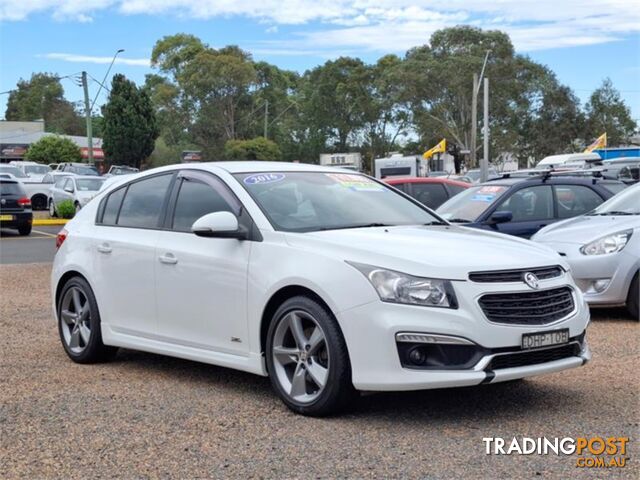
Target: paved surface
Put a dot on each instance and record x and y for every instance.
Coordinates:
(38, 247)
(148, 416)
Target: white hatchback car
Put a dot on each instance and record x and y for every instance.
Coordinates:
(75, 188)
(327, 281)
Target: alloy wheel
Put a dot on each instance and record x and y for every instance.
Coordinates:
(300, 356)
(75, 316)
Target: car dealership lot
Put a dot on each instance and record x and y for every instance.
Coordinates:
(40, 246)
(145, 415)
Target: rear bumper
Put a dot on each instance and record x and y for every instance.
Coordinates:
(19, 219)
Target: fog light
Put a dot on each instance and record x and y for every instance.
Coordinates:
(417, 356)
(599, 286)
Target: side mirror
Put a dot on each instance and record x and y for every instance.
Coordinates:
(218, 225)
(68, 189)
(501, 217)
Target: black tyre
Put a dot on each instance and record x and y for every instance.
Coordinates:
(39, 202)
(79, 323)
(307, 358)
(633, 302)
(24, 229)
(52, 209)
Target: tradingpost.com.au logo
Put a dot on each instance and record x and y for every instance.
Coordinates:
(591, 452)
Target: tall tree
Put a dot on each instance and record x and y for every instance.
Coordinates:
(129, 125)
(42, 98)
(607, 112)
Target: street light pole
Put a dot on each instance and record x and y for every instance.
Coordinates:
(87, 110)
(484, 168)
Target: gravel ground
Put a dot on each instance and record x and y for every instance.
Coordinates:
(148, 416)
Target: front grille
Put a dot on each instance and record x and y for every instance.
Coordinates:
(534, 357)
(506, 276)
(528, 308)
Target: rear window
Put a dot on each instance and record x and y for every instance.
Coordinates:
(11, 188)
(614, 187)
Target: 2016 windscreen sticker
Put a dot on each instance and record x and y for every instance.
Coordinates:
(356, 182)
(260, 178)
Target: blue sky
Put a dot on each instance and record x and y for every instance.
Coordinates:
(582, 41)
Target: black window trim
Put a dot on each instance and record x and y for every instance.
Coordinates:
(103, 202)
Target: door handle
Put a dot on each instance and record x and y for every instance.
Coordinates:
(168, 259)
(104, 248)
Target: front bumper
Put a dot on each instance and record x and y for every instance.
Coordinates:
(614, 270)
(370, 332)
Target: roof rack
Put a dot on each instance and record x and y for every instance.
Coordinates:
(552, 172)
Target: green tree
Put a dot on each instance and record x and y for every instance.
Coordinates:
(53, 149)
(129, 125)
(607, 112)
(258, 148)
(42, 98)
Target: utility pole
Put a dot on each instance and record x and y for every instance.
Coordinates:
(87, 109)
(266, 117)
(484, 167)
(474, 119)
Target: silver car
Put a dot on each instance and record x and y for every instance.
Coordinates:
(75, 188)
(603, 250)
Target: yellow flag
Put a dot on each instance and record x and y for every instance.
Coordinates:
(601, 142)
(439, 148)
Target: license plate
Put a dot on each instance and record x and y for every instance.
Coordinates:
(545, 339)
(6, 218)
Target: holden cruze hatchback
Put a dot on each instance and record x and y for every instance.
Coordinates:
(325, 280)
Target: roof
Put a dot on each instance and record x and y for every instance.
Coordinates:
(259, 166)
(396, 181)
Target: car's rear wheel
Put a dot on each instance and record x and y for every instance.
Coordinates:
(307, 358)
(52, 209)
(79, 323)
(39, 202)
(633, 300)
(24, 229)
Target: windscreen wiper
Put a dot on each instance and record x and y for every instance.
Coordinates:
(458, 220)
(365, 225)
(435, 223)
(615, 212)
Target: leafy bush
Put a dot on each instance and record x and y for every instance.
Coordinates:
(258, 148)
(66, 209)
(54, 149)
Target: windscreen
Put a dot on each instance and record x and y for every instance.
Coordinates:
(470, 204)
(312, 201)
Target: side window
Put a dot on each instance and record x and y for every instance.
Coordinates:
(68, 183)
(400, 186)
(529, 204)
(430, 194)
(143, 202)
(455, 189)
(575, 200)
(112, 206)
(195, 199)
(60, 182)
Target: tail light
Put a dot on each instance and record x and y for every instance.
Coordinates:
(24, 202)
(61, 237)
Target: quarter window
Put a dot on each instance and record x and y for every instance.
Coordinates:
(143, 202)
(112, 206)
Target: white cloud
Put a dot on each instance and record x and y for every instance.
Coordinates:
(73, 58)
(378, 25)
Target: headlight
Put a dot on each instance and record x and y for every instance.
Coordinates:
(609, 244)
(396, 287)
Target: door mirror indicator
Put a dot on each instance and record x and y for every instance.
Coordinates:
(219, 225)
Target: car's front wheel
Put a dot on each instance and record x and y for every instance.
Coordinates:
(633, 299)
(52, 209)
(79, 323)
(307, 358)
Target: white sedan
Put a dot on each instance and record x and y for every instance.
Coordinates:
(77, 189)
(325, 280)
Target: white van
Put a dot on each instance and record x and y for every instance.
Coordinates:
(554, 161)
